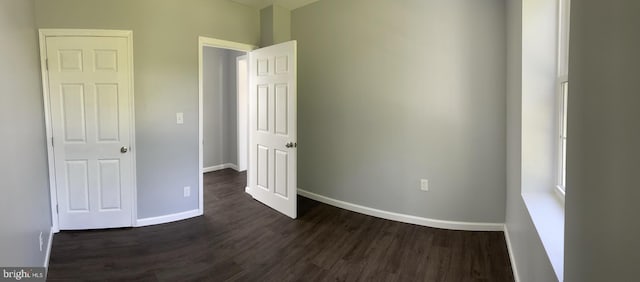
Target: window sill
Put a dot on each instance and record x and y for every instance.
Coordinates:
(547, 214)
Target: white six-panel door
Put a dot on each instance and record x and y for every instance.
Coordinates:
(273, 127)
(89, 92)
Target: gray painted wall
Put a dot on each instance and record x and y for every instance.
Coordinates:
(394, 91)
(220, 107)
(275, 25)
(165, 41)
(602, 202)
(24, 206)
(231, 102)
(281, 24)
(528, 251)
(214, 119)
(266, 26)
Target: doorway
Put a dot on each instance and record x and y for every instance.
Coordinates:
(272, 122)
(223, 103)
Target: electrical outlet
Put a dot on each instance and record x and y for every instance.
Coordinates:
(424, 184)
(40, 241)
(187, 191)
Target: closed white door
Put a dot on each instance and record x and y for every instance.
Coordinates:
(273, 127)
(89, 92)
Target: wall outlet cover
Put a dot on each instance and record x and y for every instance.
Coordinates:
(424, 184)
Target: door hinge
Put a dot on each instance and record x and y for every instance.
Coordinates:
(57, 210)
(51, 141)
(46, 64)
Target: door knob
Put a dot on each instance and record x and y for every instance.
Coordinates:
(291, 145)
(124, 149)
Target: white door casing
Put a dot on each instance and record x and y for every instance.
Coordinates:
(90, 104)
(273, 127)
(242, 73)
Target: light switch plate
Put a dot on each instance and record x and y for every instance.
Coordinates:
(179, 118)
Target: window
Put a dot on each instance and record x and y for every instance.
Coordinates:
(562, 140)
(563, 94)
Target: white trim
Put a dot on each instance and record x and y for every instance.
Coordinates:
(49, 244)
(43, 34)
(224, 44)
(412, 219)
(220, 167)
(547, 216)
(560, 115)
(250, 192)
(242, 127)
(562, 57)
(167, 218)
(218, 43)
(512, 258)
(563, 30)
(48, 132)
(85, 32)
(133, 149)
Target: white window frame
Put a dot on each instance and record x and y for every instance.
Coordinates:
(562, 85)
(561, 176)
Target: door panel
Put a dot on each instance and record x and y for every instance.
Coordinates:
(109, 184)
(107, 112)
(263, 108)
(281, 109)
(78, 185)
(272, 127)
(280, 173)
(89, 92)
(263, 167)
(73, 112)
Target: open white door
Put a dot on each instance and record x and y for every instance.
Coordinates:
(273, 127)
(89, 86)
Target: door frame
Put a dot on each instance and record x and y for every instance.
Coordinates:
(244, 113)
(43, 34)
(215, 43)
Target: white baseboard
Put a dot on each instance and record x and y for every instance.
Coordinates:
(167, 218)
(437, 223)
(220, 167)
(49, 245)
(512, 258)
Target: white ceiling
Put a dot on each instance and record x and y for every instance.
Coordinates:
(289, 4)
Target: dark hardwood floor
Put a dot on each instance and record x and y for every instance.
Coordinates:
(239, 239)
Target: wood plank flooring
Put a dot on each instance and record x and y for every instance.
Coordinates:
(239, 239)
